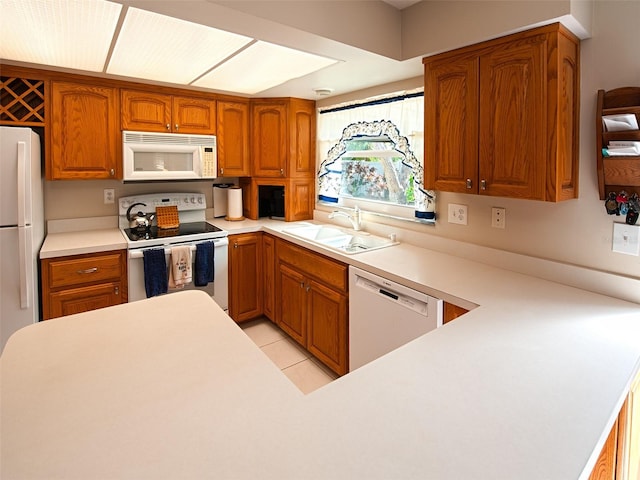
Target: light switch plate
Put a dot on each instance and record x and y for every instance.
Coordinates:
(626, 238)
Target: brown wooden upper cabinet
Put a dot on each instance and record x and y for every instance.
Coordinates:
(501, 117)
(233, 139)
(283, 137)
(154, 112)
(85, 139)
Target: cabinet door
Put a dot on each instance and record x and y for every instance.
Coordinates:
(83, 299)
(327, 326)
(245, 276)
(299, 199)
(269, 139)
(302, 138)
(145, 111)
(269, 275)
(292, 305)
(85, 139)
(233, 139)
(451, 124)
(512, 130)
(193, 115)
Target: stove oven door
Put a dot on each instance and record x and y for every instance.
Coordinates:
(218, 289)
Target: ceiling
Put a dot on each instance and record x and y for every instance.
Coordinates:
(221, 46)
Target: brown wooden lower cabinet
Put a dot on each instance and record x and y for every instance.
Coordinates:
(620, 455)
(80, 283)
(312, 303)
(451, 312)
(245, 276)
(269, 276)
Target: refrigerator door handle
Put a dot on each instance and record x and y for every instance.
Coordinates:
(26, 268)
(22, 184)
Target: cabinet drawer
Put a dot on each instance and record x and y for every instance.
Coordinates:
(78, 270)
(329, 271)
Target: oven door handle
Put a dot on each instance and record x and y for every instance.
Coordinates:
(138, 252)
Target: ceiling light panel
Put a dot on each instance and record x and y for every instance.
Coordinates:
(260, 67)
(63, 33)
(158, 47)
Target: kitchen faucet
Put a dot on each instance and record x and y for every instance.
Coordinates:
(355, 219)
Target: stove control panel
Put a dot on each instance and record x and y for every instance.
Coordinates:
(184, 201)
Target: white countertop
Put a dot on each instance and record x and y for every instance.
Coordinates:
(525, 386)
(86, 241)
(170, 387)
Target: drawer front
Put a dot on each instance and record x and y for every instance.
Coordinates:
(84, 299)
(329, 271)
(83, 269)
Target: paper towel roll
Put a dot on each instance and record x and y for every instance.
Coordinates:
(234, 204)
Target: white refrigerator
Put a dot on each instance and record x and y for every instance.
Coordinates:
(21, 229)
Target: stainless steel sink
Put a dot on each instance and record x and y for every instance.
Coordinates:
(345, 241)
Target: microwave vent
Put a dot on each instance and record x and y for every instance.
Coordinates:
(168, 139)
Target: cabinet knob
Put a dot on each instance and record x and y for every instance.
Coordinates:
(177, 127)
(282, 171)
(301, 284)
(116, 290)
(469, 183)
(168, 127)
(483, 184)
(221, 171)
(235, 245)
(308, 288)
(112, 172)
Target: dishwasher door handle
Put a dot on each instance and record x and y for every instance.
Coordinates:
(388, 294)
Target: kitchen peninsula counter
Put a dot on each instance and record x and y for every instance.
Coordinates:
(525, 386)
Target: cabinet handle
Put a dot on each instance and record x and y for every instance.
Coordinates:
(235, 245)
(168, 127)
(177, 127)
(301, 284)
(282, 171)
(116, 290)
(87, 271)
(221, 171)
(469, 183)
(483, 184)
(112, 172)
(308, 288)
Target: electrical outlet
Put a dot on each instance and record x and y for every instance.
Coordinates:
(498, 217)
(626, 238)
(457, 214)
(109, 196)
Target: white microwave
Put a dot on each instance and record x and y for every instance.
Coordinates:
(168, 156)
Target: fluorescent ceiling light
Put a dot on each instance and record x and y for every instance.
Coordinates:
(260, 67)
(158, 47)
(63, 33)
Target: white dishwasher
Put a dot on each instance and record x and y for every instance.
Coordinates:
(384, 315)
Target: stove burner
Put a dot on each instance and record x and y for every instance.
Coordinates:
(184, 229)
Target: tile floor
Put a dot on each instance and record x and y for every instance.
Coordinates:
(306, 373)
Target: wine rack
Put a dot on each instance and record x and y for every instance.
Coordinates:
(22, 102)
